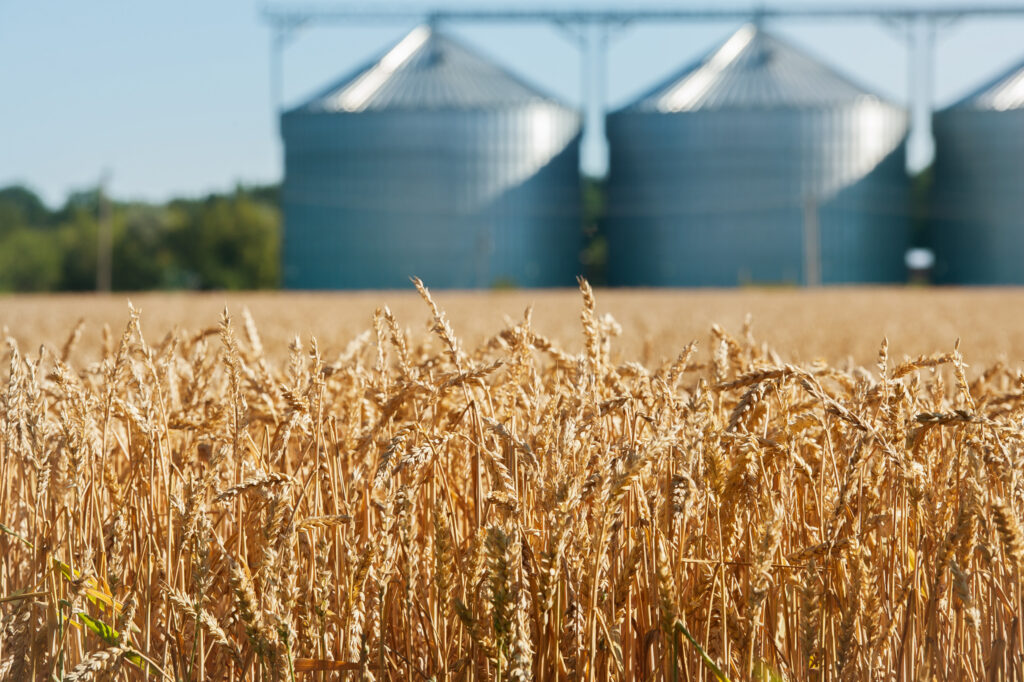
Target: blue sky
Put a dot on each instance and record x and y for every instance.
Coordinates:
(173, 98)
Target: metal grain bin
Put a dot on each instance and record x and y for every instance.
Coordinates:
(977, 207)
(757, 164)
(431, 161)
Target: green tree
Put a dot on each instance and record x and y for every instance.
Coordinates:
(76, 247)
(20, 207)
(921, 187)
(220, 242)
(229, 242)
(29, 260)
(142, 256)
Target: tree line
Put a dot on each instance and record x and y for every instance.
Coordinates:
(221, 241)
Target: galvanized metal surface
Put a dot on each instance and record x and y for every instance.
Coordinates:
(426, 70)
(977, 207)
(751, 70)
(431, 162)
(1003, 93)
(712, 174)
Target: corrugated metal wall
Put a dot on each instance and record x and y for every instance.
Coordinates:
(455, 173)
(977, 201)
(711, 175)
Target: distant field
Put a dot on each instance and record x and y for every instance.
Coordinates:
(833, 324)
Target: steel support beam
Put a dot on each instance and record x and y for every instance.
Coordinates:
(328, 13)
(590, 30)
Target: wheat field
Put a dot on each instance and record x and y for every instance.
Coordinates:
(834, 324)
(624, 491)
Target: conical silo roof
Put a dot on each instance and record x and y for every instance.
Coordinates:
(1004, 93)
(753, 70)
(426, 70)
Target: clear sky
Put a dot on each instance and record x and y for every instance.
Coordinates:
(173, 98)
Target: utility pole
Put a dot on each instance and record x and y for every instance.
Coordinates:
(812, 243)
(104, 238)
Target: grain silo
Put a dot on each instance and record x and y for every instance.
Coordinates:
(757, 164)
(977, 206)
(431, 161)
